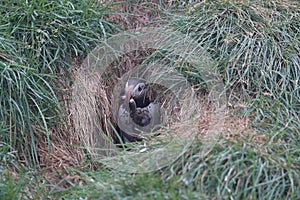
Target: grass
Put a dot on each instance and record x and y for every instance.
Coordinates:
(38, 42)
(17, 181)
(255, 47)
(229, 171)
(39, 39)
(107, 185)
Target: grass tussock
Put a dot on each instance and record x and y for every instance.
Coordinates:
(38, 40)
(256, 45)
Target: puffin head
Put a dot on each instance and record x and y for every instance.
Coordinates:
(134, 92)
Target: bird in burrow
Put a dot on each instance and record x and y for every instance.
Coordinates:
(136, 107)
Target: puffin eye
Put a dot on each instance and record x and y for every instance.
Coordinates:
(140, 88)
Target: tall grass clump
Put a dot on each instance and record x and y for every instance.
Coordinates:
(38, 40)
(256, 49)
(256, 46)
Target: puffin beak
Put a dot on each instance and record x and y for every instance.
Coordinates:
(127, 96)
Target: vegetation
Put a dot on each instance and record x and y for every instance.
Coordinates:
(38, 41)
(255, 46)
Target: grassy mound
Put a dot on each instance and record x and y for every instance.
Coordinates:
(38, 42)
(39, 39)
(256, 47)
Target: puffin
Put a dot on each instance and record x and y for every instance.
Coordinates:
(136, 113)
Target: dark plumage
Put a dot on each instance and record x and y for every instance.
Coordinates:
(140, 116)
